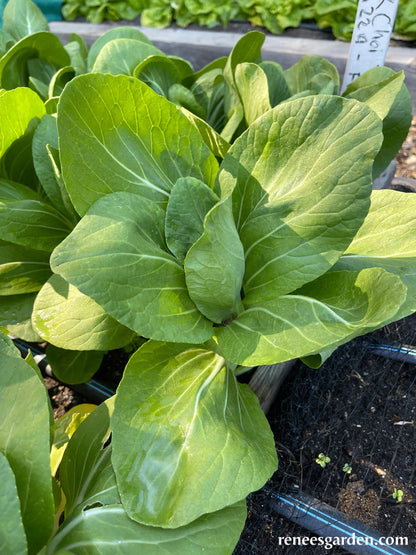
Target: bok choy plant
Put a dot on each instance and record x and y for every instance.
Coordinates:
(281, 251)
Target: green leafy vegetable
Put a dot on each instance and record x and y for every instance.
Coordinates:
(200, 442)
(22, 18)
(12, 534)
(64, 429)
(148, 293)
(298, 182)
(73, 367)
(144, 158)
(27, 447)
(384, 91)
(71, 320)
(121, 56)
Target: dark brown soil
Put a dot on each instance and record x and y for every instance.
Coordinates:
(62, 397)
(358, 409)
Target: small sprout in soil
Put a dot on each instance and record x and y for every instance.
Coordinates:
(347, 468)
(322, 460)
(397, 495)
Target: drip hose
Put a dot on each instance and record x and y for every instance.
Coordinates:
(331, 524)
(404, 353)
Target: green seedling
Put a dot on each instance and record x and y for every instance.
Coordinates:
(322, 460)
(397, 495)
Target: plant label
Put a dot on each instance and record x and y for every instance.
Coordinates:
(373, 26)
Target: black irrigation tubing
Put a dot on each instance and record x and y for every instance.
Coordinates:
(327, 522)
(404, 353)
(300, 508)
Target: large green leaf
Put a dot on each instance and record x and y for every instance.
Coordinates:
(14, 71)
(387, 239)
(328, 311)
(378, 88)
(108, 530)
(32, 223)
(121, 56)
(73, 367)
(25, 441)
(22, 270)
(187, 207)
(147, 293)
(65, 317)
(385, 92)
(186, 436)
(12, 534)
(22, 18)
(214, 266)
(124, 32)
(313, 73)
(300, 179)
(18, 108)
(117, 134)
(88, 481)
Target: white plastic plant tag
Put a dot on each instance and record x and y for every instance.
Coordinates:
(372, 30)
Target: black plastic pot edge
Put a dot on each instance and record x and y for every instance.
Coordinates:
(92, 390)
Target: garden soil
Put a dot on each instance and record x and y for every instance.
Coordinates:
(358, 409)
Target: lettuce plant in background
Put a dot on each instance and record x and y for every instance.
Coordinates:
(277, 16)
(97, 11)
(81, 511)
(274, 15)
(405, 23)
(340, 17)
